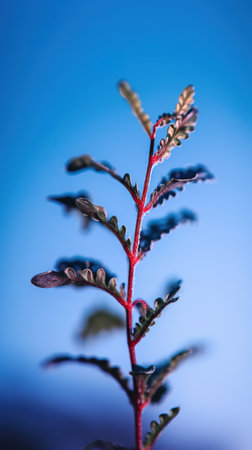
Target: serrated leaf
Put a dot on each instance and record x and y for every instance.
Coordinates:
(186, 99)
(163, 370)
(134, 101)
(103, 364)
(99, 214)
(177, 179)
(157, 428)
(105, 445)
(101, 320)
(157, 228)
(148, 319)
(75, 274)
(86, 161)
(181, 129)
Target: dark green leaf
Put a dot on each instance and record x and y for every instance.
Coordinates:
(103, 364)
(101, 320)
(157, 428)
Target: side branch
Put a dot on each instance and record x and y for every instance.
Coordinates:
(103, 364)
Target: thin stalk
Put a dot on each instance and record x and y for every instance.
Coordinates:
(138, 407)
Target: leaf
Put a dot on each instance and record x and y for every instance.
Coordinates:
(183, 126)
(164, 370)
(157, 228)
(148, 319)
(185, 100)
(105, 445)
(99, 214)
(91, 275)
(86, 161)
(134, 101)
(160, 393)
(103, 364)
(69, 203)
(177, 180)
(157, 428)
(101, 320)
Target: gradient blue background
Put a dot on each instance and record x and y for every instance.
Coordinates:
(61, 61)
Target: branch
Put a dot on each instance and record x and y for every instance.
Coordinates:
(148, 319)
(86, 161)
(103, 364)
(177, 179)
(86, 277)
(157, 228)
(99, 214)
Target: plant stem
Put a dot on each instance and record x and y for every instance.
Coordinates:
(132, 264)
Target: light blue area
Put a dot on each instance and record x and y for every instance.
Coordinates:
(60, 65)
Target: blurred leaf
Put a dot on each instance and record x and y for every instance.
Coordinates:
(160, 393)
(69, 203)
(177, 180)
(99, 214)
(103, 364)
(86, 161)
(80, 273)
(157, 228)
(185, 100)
(101, 320)
(134, 101)
(148, 319)
(157, 428)
(163, 370)
(104, 445)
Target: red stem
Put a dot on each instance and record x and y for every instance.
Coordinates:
(133, 259)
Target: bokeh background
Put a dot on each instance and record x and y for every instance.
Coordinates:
(61, 61)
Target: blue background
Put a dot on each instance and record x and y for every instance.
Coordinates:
(61, 61)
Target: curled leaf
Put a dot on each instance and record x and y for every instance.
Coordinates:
(101, 320)
(68, 201)
(86, 161)
(99, 214)
(148, 319)
(157, 428)
(103, 364)
(177, 179)
(134, 101)
(157, 228)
